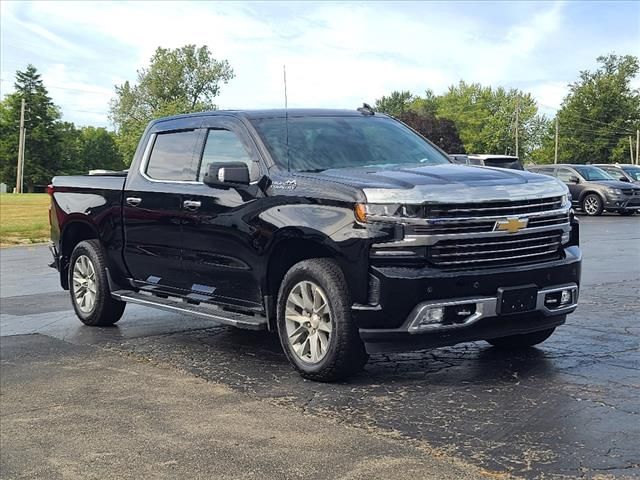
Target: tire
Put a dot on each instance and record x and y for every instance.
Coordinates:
(592, 204)
(89, 287)
(627, 213)
(514, 342)
(326, 345)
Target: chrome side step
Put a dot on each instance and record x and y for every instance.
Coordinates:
(177, 305)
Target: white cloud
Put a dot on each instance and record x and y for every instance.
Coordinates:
(337, 54)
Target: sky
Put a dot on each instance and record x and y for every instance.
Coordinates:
(337, 55)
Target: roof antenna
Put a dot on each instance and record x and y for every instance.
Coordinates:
(286, 117)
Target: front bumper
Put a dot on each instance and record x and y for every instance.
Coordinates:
(404, 292)
(622, 202)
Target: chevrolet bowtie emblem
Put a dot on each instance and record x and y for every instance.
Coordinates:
(511, 225)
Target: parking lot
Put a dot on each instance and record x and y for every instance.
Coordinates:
(570, 408)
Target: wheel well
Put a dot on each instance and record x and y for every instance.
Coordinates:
(285, 255)
(588, 192)
(73, 234)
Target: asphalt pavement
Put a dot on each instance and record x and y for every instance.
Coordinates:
(567, 409)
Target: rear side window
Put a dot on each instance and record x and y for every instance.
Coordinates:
(223, 146)
(172, 156)
(565, 174)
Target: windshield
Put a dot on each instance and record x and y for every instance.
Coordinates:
(321, 143)
(632, 172)
(593, 173)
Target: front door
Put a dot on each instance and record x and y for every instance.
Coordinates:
(153, 210)
(566, 175)
(218, 256)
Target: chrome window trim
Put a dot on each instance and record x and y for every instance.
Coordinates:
(145, 162)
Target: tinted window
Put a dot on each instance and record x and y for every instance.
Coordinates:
(593, 173)
(172, 156)
(512, 163)
(633, 172)
(565, 174)
(320, 143)
(223, 146)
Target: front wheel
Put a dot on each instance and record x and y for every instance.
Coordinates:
(525, 340)
(592, 205)
(89, 287)
(315, 326)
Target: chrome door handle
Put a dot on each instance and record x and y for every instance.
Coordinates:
(191, 204)
(134, 201)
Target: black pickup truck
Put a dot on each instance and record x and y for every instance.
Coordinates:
(345, 232)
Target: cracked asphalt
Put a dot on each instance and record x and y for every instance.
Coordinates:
(567, 409)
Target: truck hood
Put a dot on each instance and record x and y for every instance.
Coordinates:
(448, 183)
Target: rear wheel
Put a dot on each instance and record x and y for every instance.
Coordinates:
(315, 326)
(592, 204)
(525, 340)
(89, 287)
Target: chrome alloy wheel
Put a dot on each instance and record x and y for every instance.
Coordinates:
(591, 205)
(84, 284)
(308, 321)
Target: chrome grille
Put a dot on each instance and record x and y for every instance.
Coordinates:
(496, 251)
(501, 208)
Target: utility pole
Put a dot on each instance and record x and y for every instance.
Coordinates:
(631, 149)
(555, 159)
(20, 167)
(637, 146)
(517, 113)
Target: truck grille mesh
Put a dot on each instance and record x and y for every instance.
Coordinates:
(491, 209)
(496, 251)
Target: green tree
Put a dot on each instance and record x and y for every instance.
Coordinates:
(181, 80)
(599, 113)
(99, 150)
(395, 104)
(486, 118)
(42, 155)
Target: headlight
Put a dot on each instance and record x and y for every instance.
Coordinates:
(614, 191)
(388, 210)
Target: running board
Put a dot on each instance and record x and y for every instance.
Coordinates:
(177, 305)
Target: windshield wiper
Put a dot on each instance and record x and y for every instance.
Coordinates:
(313, 170)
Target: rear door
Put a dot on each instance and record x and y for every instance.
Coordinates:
(219, 251)
(152, 208)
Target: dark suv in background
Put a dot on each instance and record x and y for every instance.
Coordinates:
(625, 173)
(593, 190)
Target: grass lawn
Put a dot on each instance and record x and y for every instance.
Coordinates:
(24, 218)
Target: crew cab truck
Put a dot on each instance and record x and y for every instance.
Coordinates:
(345, 232)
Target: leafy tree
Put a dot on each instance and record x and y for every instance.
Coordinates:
(99, 150)
(599, 113)
(42, 156)
(181, 80)
(486, 118)
(441, 131)
(395, 104)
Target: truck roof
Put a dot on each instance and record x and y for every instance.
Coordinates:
(273, 113)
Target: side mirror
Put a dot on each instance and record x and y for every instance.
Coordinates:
(226, 174)
(574, 179)
(624, 179)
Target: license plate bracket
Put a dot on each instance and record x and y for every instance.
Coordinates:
(517, 299)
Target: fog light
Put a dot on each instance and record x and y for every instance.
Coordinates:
(566, 236)
(432, 315)
(566, 297)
